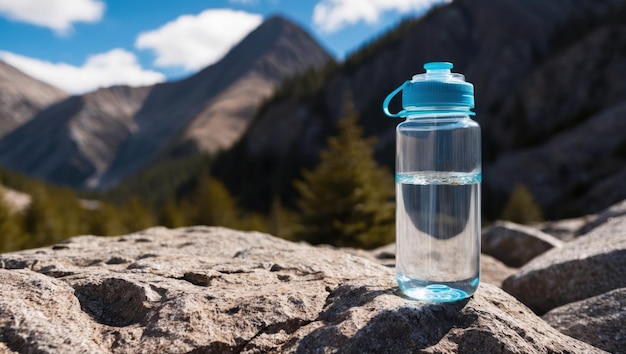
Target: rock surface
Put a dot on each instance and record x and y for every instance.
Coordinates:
(591, 265)
(493, 271)
(514, 244)
(600, 320)
(614, 211)
(565, 229)
(214, 290)
(570, 229)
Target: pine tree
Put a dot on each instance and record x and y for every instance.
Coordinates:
(521, 207)
(53, 215)
(280, 221)
(105, 221)
(252, 222)
(43, 221)
(69, 211)
(214, 205)
(171, 214)
(347, 199)
(135, 216)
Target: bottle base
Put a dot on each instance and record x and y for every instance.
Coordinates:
(437, 291)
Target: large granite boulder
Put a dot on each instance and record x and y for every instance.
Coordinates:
(566, 229)
(614, 211)
(570, 229)
(600, 320)
(214, 290)
(493, 271)
(591, 265)
(514, 244)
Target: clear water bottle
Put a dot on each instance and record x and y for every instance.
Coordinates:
(438, 175)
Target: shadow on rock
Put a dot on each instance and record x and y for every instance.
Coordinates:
(354, 321)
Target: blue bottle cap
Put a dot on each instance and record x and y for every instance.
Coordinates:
(436, 89)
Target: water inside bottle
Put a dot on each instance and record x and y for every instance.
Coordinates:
(438, 230)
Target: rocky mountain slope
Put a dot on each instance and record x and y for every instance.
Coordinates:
(286, 49)
(94, 140)
(571, 109)
(540, 69)
(21, 96)
(76, 139)
(214, 290)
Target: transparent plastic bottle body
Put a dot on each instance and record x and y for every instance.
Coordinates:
(438, 175)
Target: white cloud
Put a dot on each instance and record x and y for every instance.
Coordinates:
(55, 14)
(115, 67)
(195, 41)
(332, 15)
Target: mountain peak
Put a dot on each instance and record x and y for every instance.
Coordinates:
(280, 39)
(278, 19)
(21, 96)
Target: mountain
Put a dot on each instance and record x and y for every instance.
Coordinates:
(573, 106)
(95, 140)
(524, 58)
(75, 139)
(21, 96)
(277, 51)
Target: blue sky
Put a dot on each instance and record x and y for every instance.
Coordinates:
(80, 45)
